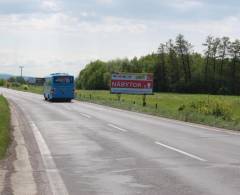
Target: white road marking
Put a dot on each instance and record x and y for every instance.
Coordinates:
(22, 180)
(104, 108)
(194, 125)
(120, 129)
(227, 131)
(181, 152)
(56, 183)
(67, 107)
(85, 115)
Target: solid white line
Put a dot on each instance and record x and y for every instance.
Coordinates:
(180, 151)
(111, 125)
(56, 183)
(80, 113)
(22, 164)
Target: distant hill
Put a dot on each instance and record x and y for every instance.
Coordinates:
(5, 76)
(28, 79)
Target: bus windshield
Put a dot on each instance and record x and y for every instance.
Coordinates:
(63, 80)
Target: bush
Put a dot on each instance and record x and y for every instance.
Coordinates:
(222, 109)
(25, 87)
(217, 108)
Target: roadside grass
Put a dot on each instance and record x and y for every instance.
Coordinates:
(213, 110)
(29, 88)
(4, 126)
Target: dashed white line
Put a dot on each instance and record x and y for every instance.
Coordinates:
(116, 127)
(181, 152)
(162, 119)
(67, 107)
(85, 115)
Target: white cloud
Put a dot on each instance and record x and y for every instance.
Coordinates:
(51, 39)
(183, 5)
(104, 1)
(62, 42)
(226, 26)
(50, 5)
(65, 23)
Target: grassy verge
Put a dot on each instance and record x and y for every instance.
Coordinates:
(29, 88)
(4, 126)
(217, 111)
(213, 110)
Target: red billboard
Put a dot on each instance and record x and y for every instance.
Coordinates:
(132, 83)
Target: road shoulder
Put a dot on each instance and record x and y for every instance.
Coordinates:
(22, 172)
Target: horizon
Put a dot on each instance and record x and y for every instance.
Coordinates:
(64, 35)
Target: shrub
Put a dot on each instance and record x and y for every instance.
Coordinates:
(217, 108)
(221, 109)
(182, 107)
(25, 87)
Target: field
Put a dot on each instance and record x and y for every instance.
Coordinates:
(213, 110)
(4, 126)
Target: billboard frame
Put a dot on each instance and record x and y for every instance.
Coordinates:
(133, 93)
(143, 94)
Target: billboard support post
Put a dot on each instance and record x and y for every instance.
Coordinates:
(144, 100)
(119, 96)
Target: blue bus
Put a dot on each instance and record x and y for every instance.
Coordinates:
(59, 86)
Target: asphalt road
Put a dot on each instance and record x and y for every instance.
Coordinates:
(82, 148)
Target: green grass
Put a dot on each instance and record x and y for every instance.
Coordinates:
(169, 105)
(29, 88)
(225, 115)
(4, 126)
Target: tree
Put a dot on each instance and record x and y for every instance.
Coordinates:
(211, 58)
(2, 82)
(174, 74)
(160, 80)
(234, 51)
(92, 77)
(183, 49)
(12, 79)
(222, 51)
(176, 67)
(215, 46)
(207, 53)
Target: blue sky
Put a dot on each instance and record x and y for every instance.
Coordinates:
(63, 35)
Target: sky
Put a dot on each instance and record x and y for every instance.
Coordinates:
(47, 36)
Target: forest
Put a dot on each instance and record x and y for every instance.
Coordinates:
(176, 67)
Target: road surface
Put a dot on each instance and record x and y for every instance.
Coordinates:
(82, 148)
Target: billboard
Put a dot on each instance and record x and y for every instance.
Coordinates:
(40, 81)
(35, 81)
(132, 83)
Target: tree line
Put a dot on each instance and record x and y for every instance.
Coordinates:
(176, 67)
